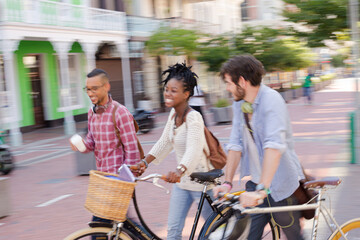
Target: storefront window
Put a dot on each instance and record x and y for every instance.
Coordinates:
(75, 81)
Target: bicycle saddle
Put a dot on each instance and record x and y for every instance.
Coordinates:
(210, 176)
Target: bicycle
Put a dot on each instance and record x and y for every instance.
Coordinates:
(348, 231)
(128, 229)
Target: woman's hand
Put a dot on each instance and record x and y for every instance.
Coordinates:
(138, 169)
(174, 177)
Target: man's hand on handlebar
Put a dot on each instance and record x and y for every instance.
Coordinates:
(221, 189)
(251, 199)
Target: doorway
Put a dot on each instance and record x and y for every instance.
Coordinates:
(32, 64)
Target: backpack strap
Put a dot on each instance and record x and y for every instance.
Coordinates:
(246, 116)
(117, 131)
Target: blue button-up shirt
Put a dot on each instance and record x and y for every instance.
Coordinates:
(271, 129)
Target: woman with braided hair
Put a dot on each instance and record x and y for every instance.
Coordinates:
(184, 133)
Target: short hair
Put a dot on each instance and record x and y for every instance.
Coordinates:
(245, 66)
(183, 73)
(99, 72)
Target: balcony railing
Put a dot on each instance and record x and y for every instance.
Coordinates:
(45, 12)
(144, 27)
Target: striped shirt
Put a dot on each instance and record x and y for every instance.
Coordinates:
(102, 138)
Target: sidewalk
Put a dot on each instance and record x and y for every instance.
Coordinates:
(46, 172)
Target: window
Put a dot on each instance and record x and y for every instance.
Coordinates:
(138, 81)
(75, 81)
(244, 11)
(3, 94)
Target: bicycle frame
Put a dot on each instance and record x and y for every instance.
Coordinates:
(318, 206)
(204, 196)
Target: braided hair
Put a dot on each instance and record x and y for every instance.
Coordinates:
(183, 73)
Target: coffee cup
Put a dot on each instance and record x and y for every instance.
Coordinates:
(77, 141)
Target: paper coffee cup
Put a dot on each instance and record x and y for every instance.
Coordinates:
(77, 141)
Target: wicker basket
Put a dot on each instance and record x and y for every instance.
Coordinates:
(107, 197)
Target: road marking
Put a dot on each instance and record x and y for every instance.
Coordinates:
(2, 224)
(45, 204)
(43, 158)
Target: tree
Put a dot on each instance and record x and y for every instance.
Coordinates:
(173, 41)
(322, 18)
(276, 51)
(214, 52)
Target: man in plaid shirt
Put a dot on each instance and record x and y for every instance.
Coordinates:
(109, 152)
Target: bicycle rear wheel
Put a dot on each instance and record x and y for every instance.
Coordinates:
(270, 232)
(351, 229)
(98, 233)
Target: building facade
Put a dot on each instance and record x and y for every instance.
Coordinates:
(46, 49)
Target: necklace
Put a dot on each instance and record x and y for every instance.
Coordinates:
(182, 119)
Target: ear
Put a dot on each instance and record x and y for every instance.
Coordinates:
(107, 87)
(242, 82)
(187, 94)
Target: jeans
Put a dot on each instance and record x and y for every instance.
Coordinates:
(307, 93)
(180, 203)
(288, 221)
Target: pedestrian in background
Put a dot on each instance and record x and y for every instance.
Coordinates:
(184, 133)
(307, 86)
(261, 135)
(101, 138)
(197, 101)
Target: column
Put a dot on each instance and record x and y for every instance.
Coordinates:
(90, 50)
(62, 49)
(8, 48)
(126, 71)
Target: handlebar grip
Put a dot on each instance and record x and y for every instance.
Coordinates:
(164, 177)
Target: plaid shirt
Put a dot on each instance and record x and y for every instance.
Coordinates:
(102, 138)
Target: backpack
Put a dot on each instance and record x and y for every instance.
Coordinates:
(117, 131)
(216, 156)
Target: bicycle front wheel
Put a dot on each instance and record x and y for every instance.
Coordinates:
(99, 233)
(351, 229)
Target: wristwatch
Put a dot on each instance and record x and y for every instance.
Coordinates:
(261, 187)
(181, 168)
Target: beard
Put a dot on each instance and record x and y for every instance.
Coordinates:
(239, 94)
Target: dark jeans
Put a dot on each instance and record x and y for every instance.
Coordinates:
(307, 93)
(288, 220)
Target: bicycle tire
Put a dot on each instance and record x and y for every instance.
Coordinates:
(101, 232)
(350, 228)
(216, 216)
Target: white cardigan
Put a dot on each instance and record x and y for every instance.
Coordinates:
(188, 141)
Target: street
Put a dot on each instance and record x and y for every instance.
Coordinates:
(47, 197)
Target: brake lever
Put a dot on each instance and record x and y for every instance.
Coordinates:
(156, 183)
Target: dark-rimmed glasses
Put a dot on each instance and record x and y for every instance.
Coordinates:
(93, 89)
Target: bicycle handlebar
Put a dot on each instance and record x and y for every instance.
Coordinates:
(152, 176)
(155, 179)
